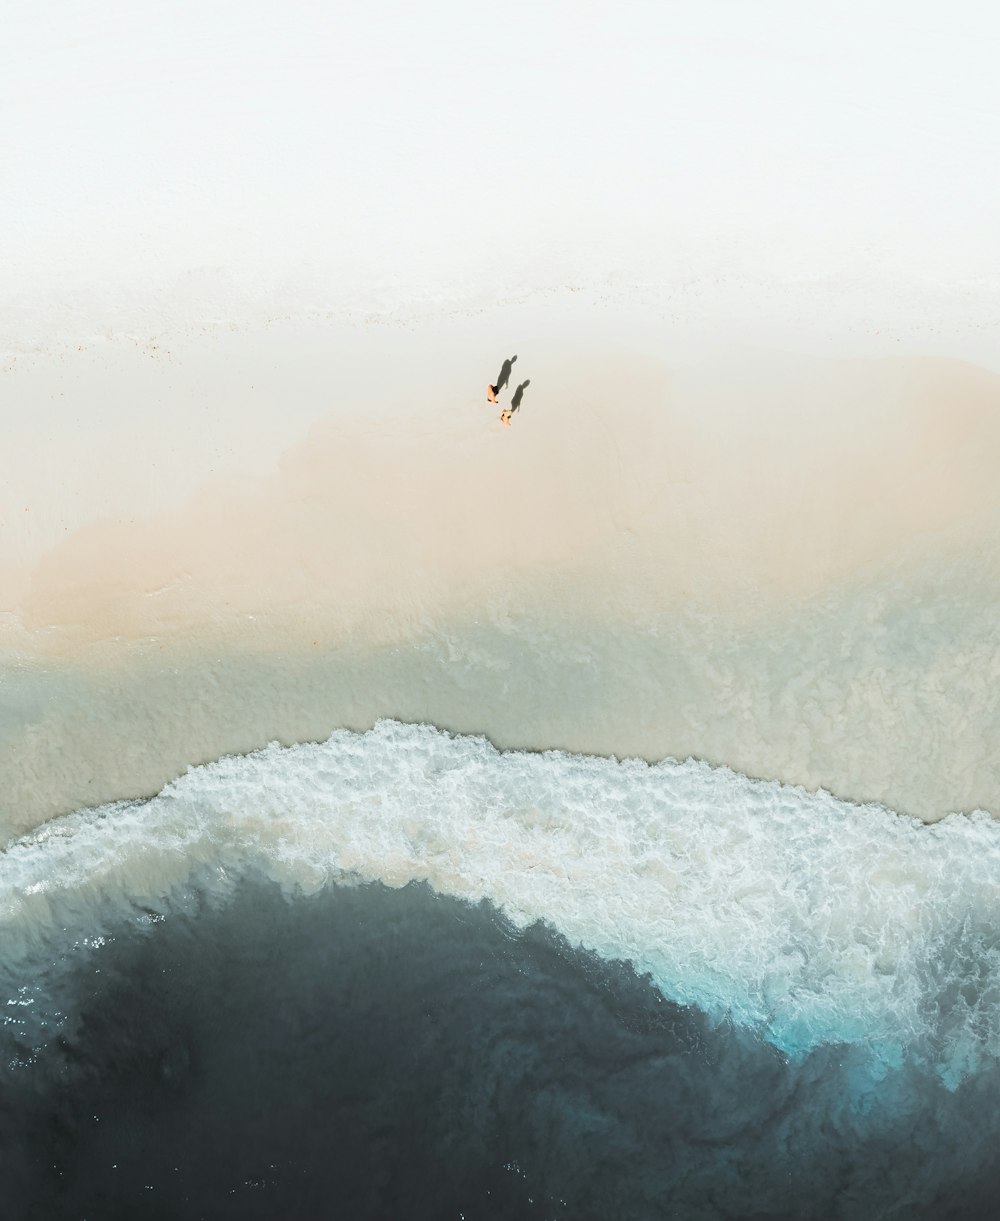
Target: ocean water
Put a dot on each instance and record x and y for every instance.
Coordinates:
(403, 974)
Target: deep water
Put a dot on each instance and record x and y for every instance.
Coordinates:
(367, 1052)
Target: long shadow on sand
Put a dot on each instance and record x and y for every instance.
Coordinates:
(503, 377)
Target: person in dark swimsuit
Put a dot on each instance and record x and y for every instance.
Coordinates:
(502, 380)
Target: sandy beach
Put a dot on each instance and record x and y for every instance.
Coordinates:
(779, 561)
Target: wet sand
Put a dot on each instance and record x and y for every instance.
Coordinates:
(787, 564)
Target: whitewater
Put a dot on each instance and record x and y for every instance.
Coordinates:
(807, 919)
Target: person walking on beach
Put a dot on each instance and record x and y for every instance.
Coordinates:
(502, 380)
(515, 403)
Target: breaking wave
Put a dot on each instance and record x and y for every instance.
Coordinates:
(805, 919)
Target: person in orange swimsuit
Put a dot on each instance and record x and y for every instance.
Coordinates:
(515, 404)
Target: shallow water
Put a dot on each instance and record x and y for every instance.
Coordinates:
(885, 691)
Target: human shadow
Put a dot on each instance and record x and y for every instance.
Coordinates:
(515, 401)
(504, 375)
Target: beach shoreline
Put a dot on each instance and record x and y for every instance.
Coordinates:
(781, 563)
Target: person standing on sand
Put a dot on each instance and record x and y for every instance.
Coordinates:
(515, 403)
(502, 380)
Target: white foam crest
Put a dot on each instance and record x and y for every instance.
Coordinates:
(816, 920)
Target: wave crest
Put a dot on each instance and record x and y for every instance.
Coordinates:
(811, 919)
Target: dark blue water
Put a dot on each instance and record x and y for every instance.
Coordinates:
(371, 1053)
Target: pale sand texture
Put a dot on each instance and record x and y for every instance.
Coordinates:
(783, 564)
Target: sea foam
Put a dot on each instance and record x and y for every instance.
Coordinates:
(806, 918)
